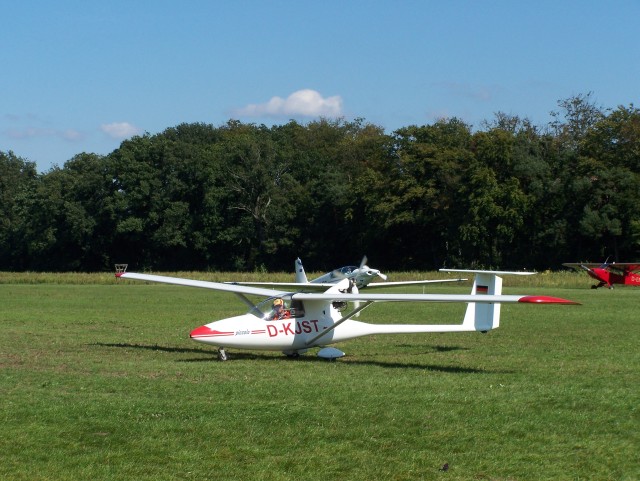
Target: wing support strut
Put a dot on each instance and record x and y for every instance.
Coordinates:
(251, 305)
(340, 321)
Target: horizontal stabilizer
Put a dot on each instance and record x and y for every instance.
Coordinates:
(496, 273)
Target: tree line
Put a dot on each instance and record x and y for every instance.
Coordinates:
(248, 197)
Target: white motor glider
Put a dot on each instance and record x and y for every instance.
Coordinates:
(362, 276)
(293, 322)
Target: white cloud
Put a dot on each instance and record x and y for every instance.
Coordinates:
(29, 133)
(72, 135)
(306, 103)
(34, 127)
(120, 130)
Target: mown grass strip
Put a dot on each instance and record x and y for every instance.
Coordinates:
(100, 381)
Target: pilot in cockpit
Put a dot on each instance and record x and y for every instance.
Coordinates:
(279, 310)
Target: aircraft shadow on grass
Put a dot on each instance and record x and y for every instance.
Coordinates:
(152, 347)
(212, 357)
(183, 350)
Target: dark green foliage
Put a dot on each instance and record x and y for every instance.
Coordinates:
(251, 197)
(18, 180)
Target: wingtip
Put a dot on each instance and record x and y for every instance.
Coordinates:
(546, 300)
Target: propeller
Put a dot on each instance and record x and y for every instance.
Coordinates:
(606, 263)
(369, 271)
(362, 270)
(382, 276)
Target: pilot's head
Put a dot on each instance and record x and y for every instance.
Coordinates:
(278, 304)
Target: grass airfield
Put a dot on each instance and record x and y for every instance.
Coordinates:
(99, 380)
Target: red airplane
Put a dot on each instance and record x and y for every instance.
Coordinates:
(609, 273)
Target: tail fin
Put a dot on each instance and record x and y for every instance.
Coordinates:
(485, 316)
(301, 277)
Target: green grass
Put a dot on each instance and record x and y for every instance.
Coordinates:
(99, 380)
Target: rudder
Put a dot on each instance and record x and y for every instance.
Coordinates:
(482, 316)
(485, 316)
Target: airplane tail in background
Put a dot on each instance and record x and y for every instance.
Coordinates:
(301, 277)
(485, 316)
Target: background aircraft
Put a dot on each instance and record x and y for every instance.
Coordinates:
(610, 273)
(319, 319)
(362, 277)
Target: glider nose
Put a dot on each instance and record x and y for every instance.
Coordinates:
(200, 332)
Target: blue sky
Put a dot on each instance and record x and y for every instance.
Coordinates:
(81, 76)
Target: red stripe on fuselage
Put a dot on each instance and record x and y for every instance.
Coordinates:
(204, 331)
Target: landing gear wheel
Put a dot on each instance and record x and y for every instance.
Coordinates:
(222, 354)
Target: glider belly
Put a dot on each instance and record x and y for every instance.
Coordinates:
(251, 332)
